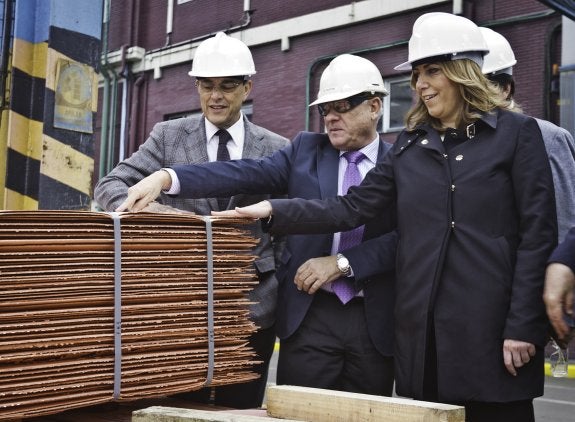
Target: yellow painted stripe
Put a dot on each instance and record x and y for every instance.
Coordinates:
(40, 61)
(30, 58)
(570, 369)
(16, 201)
(63, 163)
(25, 135)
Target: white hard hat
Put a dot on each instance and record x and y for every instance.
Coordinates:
(348, 75)
(500, 58)
(222, 56)
(443, 34)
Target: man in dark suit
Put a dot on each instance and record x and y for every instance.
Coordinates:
(222, 67)
(326, 341)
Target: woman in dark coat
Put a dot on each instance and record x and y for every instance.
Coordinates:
(476, 218)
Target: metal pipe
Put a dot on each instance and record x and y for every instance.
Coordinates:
(106, 92)
(123, 121)
(112, 123)
(169, 22)
(125, 74)
(245, 21)
(134, 112)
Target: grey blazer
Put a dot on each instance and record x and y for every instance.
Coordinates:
(560, 148)
(183, 141)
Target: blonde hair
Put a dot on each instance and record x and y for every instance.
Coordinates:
(478, 94)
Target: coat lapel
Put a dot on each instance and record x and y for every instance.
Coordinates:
(196, 144)
(253, 139)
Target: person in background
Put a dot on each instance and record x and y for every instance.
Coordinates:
(498, 67)
(473, 190)
(222, 67)
(337, 292)
(559, 293)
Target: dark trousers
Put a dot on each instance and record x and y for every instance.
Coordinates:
(332, 349)
(247, 395)
(499, 412)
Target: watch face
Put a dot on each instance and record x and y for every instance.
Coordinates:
(342, 263)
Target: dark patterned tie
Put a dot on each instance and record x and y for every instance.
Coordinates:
(343, 286)
(223, 155)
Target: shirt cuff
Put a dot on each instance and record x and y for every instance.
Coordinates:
(175, 188)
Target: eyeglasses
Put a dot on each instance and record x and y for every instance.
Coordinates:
(227, 86)
(342, 106)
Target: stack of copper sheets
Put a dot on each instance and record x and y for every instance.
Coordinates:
(80, 326)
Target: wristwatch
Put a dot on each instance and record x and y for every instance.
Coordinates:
(343, 264)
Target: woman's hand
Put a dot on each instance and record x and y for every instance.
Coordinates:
(260, 210)
(516, 354)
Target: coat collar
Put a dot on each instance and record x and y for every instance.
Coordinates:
(427, 137)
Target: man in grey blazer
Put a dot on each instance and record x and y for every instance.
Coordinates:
(222, 67)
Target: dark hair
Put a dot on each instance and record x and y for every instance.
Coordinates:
(503, 80)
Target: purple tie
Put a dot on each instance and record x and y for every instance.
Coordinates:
(343, 287)
(223, 155)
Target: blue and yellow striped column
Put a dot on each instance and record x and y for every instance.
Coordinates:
(53, 100)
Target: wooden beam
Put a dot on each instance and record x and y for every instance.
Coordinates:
(173, 414)
(318, 405)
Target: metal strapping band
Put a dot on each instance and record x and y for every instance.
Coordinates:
(117, 305)
(210, 269)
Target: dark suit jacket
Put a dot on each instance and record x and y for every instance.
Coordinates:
(308, 169)
(183, 141)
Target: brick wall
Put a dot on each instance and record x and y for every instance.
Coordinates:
(279, 94)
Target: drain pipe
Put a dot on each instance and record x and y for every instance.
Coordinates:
(134, 109)
(106, 92)
(245, 21)
(125, 74)
(112, 122)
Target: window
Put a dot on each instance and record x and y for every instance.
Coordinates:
(395, 105)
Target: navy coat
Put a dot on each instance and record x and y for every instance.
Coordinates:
(476, 226)
(308, 169)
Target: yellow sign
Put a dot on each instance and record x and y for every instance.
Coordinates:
(73, 104)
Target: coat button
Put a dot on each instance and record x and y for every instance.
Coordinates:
(459, 157)
(424, 142)
(452, 188)
(453, 225)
